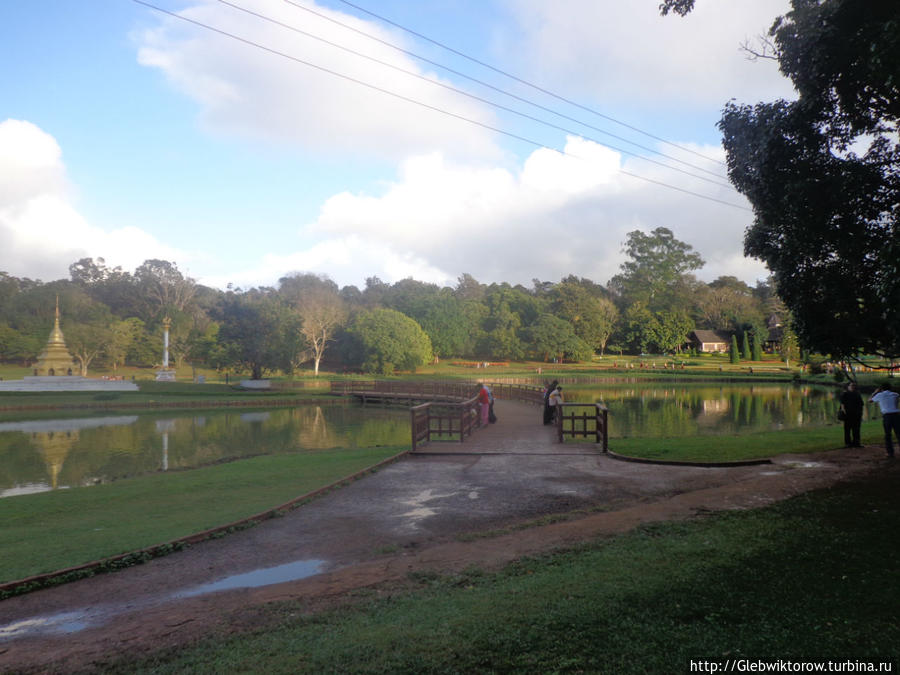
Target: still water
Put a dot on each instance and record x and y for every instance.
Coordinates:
(41, 455)
(49, 454)
(657, 410)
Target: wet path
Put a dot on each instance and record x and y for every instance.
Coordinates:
(509, 472)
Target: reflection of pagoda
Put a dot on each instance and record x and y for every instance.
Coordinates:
(54, 446)
(55, 359)
(54, 439)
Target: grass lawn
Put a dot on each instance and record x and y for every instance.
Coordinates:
(49, 531)
(812, 579)
(743, 446)
(150, 393)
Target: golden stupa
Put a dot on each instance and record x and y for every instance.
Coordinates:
(55, 359)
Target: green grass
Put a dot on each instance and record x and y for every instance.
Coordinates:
(153, 393)
(49, 531)
(743, 446)
(815, 578)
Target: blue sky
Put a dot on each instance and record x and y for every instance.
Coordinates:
(128, 134)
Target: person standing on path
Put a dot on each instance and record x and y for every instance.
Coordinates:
(556, 401)
(548, 411)
(484, 398)
(889, 402)
(852, 406)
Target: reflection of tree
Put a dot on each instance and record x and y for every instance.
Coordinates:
(657, 410)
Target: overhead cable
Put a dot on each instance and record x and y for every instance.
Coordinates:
(458, 73)
(526, 82)
(480, 99)
(349, 78)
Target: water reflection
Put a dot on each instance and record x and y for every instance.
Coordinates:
(692, 409)
(36, 456)
(294, 571)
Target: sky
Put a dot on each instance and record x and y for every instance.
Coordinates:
(511, 140)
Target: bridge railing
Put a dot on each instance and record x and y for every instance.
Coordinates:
(460, 389)
(453, 412)
(583, 420)
(444, 421)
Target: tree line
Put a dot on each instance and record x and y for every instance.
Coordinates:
(111, 317)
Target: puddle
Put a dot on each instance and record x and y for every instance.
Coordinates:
(88, 617)
(67, 622)
(263, 577)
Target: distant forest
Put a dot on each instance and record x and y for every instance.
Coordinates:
(111, 317)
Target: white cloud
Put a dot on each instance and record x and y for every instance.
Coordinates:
(626, 53)
(558, 216)
(41, 231)
(248, 91)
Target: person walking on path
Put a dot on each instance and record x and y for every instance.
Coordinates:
(889, 402)
(548, 411)
(852, 407)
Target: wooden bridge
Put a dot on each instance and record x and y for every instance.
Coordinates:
(449, 411)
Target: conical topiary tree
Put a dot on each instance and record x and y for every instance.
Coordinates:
(745, 347)
(757, 348)
(735, 354)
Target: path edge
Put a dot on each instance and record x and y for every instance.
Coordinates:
(121, 561)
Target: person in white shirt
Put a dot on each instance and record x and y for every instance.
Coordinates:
(889, 402)
(555, 401)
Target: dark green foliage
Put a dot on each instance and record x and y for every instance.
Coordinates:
(745, 347)
(823, 174)
(384, 340)
(733, 352)
(757, 347)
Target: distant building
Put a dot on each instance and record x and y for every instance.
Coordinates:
(710, 341)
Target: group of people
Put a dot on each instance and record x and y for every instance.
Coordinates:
(888, 401)
(553, 399)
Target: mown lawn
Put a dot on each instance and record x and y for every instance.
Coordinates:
(736, 447)
(813, 579)
(54, 530)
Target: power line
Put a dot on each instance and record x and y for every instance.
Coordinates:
(478, 98)
(420, 103)
(526, 82)
(490, 86)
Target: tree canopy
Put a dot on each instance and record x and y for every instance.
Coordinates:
(822, 173)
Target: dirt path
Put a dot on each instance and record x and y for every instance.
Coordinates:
(375, 532)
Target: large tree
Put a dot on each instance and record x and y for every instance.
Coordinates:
(256, 329)
(384, 340)
(591, 314)
(322, 311)
(657, 271)
(823, 172)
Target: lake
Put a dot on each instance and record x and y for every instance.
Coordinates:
(654, 409)
(48, 454)
(41, 455)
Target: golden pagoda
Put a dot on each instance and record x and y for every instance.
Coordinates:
(55, 359)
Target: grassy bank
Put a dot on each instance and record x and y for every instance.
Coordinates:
(149, 394)
(816, 578)
(53, 530)
(744, 446)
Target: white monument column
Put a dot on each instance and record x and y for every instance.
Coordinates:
(166, 374)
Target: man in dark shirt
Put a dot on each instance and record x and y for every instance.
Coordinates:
(852, 405)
